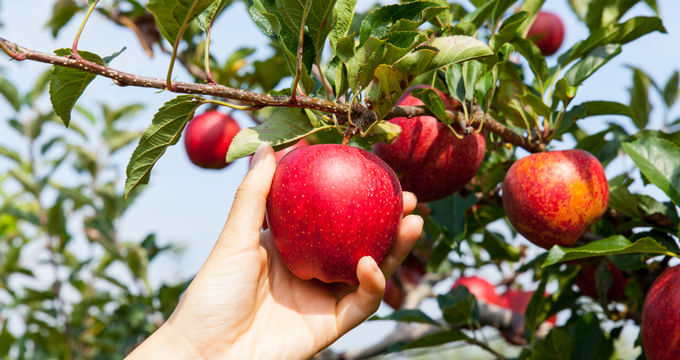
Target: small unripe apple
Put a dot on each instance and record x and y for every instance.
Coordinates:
(586, 281)
(661, 317)
(207, 138)
(330, 205)
(553, 197)
(547, 32)
(429, 159)
(480, 288)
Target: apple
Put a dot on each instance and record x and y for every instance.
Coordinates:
(480, 288)
(588, 286)
(407, 276)
(547, 32)
(207, 138)
(660, 324)
(330, 205)
(553, 197)
(428, 158)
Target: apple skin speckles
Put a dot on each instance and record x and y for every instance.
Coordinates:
(329, 205)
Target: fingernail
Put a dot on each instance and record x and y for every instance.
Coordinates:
(259, 155)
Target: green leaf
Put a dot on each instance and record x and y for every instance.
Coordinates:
(56, 219)
(6, 339)
(206, 18)
(433, 102)
(283, 126)
(594, 108)
(344, 13)
(614, 245)
(375, 52)
(62, 13)
(659, 161)
(10, 154)
(455, 49)
(10, 92)
(68, 84)
(531, 52)
(580, 8)
(408, 315)
(592, 61)
(385, 89)
(639, 97)
(455, 82)
(458, 306)
(558, 345)
(603, 13)
(438, 339)
(613, 34)
(397, 18)
(164, 131)
(670, 91)
(170, 15)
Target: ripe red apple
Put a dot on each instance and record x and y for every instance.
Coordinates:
(480, 288)
(407, 275)
(553, 197)
(588, 286)
(428, 158)
(547, 32)
(207, 138)
(661, 317)
(329, 205)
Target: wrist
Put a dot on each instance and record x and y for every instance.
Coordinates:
(165, 343)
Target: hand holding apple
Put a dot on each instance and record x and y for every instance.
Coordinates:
(244, 303)
(329, 206)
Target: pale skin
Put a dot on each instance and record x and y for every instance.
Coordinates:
(245, 304)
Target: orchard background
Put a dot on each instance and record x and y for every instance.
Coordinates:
(84, 275)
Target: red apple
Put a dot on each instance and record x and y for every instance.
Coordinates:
(207, 138)
(329, 205)
(480, 288)
(588, 286)
(661, 317)
(428, 158)
(407, 276)
(552, 198)
(547, 32)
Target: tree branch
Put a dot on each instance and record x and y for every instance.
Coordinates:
(121, 78)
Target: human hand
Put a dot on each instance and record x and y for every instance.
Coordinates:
(244, 303)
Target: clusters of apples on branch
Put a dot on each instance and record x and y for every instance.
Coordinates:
(551, 198)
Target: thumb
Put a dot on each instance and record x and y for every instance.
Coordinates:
(250, 202)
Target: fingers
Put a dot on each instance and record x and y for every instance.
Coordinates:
(410, 202)
(356, 307)
(410, 228)
(250, 202)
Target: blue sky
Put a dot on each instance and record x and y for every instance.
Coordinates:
(187, 205)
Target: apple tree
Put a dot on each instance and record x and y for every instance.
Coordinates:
(342, 72)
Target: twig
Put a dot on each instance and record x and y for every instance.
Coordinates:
(18, 52)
